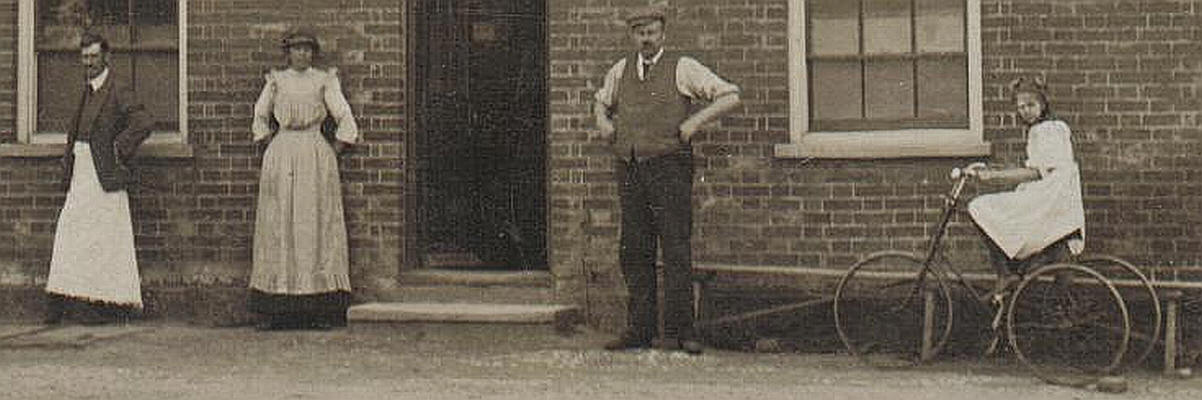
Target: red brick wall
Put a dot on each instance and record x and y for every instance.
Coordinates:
(8, 67)
(195, 218)
(1122, 74)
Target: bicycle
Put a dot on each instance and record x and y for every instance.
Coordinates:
(1065, 321)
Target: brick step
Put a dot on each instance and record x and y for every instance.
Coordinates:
(458, 260)
(476, 278)
(469, 297)
(562, 317)
(443, 293)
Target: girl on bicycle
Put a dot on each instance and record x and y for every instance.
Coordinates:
(1043, 216)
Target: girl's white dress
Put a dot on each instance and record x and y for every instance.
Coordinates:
(1037, 213)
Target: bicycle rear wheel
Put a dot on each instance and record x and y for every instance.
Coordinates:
(1068, 324)
(1143, 305)
(891, 311)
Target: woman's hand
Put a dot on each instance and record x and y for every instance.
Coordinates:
(340, 147)
(261, 144)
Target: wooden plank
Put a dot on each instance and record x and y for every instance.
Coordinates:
(838, 273)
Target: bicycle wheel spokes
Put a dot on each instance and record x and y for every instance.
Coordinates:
(1143, 305)
(1068, 324)
(891, 312)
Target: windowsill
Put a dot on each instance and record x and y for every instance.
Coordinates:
(52, 150)
(892, 144)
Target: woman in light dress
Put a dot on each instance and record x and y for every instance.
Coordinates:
(300, 277)
(1043, 218)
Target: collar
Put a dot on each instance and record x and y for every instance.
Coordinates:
(98, 81)
(299, 72)
(654, 59)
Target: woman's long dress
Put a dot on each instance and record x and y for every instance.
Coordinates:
(301, 261)
(1037, 213)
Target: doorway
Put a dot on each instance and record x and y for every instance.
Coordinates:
(479, 138)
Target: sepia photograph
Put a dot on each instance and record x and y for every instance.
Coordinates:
(600, 199)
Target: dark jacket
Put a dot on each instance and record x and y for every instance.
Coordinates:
(114, 123)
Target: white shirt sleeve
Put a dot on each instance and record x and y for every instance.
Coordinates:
(605, 95)
(695, 81)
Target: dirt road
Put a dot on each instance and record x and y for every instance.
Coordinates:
(161, 361)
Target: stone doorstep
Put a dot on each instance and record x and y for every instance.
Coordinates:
(476, 278)
(558, 315)
(464, 294)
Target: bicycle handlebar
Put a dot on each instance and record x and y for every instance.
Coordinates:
(960, 176)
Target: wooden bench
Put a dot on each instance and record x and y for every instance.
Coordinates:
(1170, 292)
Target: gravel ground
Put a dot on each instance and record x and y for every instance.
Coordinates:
(165, 361)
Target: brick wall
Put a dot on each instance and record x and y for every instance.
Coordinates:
(1122, 74)
(194, 218)
(8, 63)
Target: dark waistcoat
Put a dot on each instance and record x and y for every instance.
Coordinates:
(649, 112)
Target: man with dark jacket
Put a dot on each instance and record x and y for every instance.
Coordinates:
(644, 106)
(94, 268)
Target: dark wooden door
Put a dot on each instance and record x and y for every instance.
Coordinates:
(480, 144)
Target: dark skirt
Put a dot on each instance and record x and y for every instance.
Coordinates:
(86, 311)
(286, 310)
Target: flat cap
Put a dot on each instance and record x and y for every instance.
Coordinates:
(636, 16)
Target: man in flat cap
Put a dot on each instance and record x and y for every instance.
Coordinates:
(644, 108)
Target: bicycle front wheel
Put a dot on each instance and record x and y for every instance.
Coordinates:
(892, 311)
(1068, 324)
(1143, 305)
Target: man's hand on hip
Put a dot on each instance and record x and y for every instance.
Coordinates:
(687, 129)
(605, 129)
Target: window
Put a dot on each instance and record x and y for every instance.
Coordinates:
(148, 49)
(884, 79)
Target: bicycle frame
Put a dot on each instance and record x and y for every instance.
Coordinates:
(949, 208)
(950, 203)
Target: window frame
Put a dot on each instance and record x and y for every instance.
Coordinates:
(160, 143)
(887, 143)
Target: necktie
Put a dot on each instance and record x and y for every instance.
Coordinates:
(647, 64)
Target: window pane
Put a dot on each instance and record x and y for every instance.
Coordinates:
(155, 12)
(157, 86)
(60, 84)
(940, 25)
(59, 95)
(108, 12)
(835, 90)
(889, 89)
(158, 37)
(59, 23)
(943, 89)
(886, 26)
(834, 27)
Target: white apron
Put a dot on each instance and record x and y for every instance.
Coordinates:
(1038, 213)
(94, 256)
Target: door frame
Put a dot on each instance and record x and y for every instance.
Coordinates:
(415, 241)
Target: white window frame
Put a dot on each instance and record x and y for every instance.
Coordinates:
(902, 143)
(27, 75)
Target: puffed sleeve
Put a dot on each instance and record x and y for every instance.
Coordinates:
(1050, 147)
(336, 103)
(261, 126)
